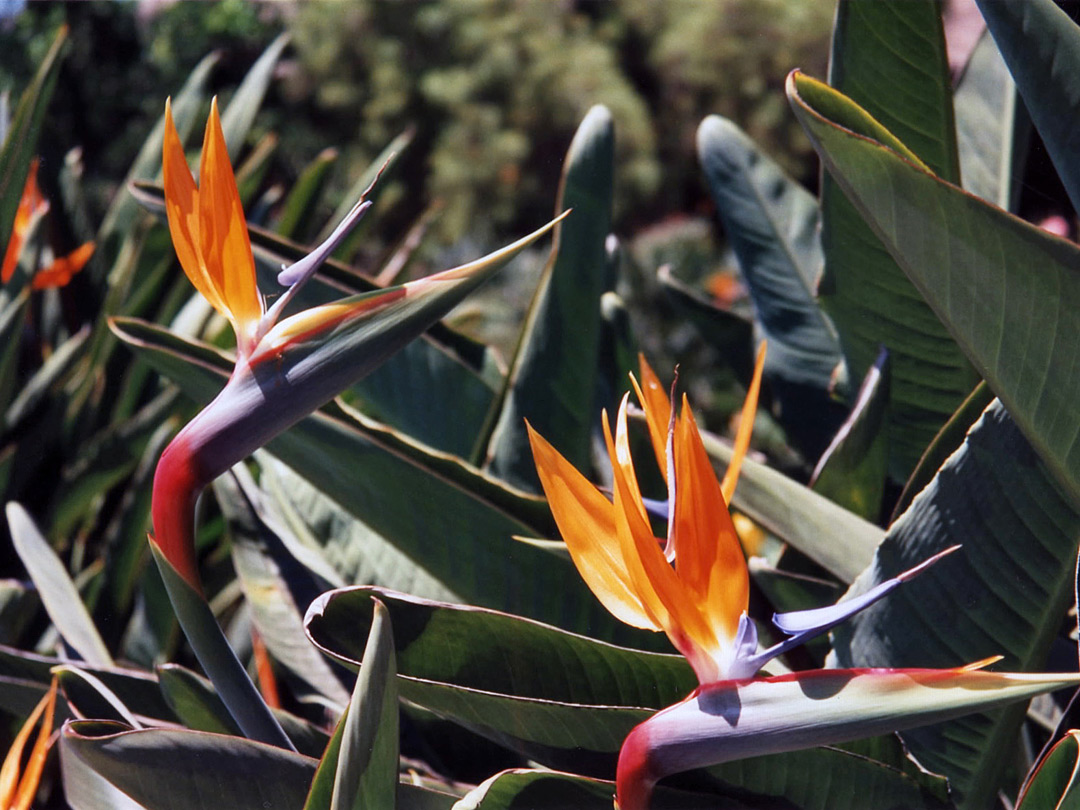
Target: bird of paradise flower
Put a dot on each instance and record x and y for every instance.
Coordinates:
(694, 586)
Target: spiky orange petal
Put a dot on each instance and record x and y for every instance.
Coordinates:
(746, 427)
(62, 270)
(586, 522)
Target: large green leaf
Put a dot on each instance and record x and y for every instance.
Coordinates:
(218, 659)
(165, 769)
(1009, 292)
(257, 548)
(552, 379)
(889, 56)
(1041, 46)
(366, 773)
(1004, 593)
(486, 650)
(772, 225)
(299, 206)
(19, 144)
(403, 500)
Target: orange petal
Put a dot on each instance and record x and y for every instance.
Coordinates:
(182, 211)
(61, 271)
(16, 793)
(746, 427)
(586, 521)
(656, 582)
(708, 555)
(657, 406)
(30, 203)
(223, 234)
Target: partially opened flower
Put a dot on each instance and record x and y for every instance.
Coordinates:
(33, 206)
(286, 367)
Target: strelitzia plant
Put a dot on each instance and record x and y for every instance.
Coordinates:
(286, 367)
(694, 586)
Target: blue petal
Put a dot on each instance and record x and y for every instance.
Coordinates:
(803, 625)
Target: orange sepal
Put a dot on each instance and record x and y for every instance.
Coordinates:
(31, 203)
(746, 427)
(586, 521)
(17, 793)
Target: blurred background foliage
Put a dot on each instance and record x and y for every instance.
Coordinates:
(493, 90)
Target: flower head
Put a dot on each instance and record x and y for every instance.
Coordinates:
(693, 584)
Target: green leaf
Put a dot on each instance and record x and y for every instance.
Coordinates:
(58, 593)
(19, 145)
(889, 56)
(1008, 291)
(139, 689)
(991, 131)
(277, 615)
(838, 540)
(489, 651)
(552, 380)
(366, 774)
(852, 470)
(772, 225)
(299, 206)
(228, 675)
(1055, 784)
(239, 115)
(1004, 593)
(167, 768)
(1041, 46)
(193, 701)
(12, 318)
(944, 445)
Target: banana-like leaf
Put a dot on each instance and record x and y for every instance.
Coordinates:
(838, 540)
(231, 680)
(18, 147)
(890, 57)
(552, 380)
(1004, 593)
(390, 491)
(366, 773)
(1055, 785)
(162, 769)
(772, 224)
(1009, 292)
(991, 127)
(852, 470)
(486, 650)
(948, 440)
(193, 700)
(139, 689)
(1041, 46)
(58, 593)
(270, 589)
